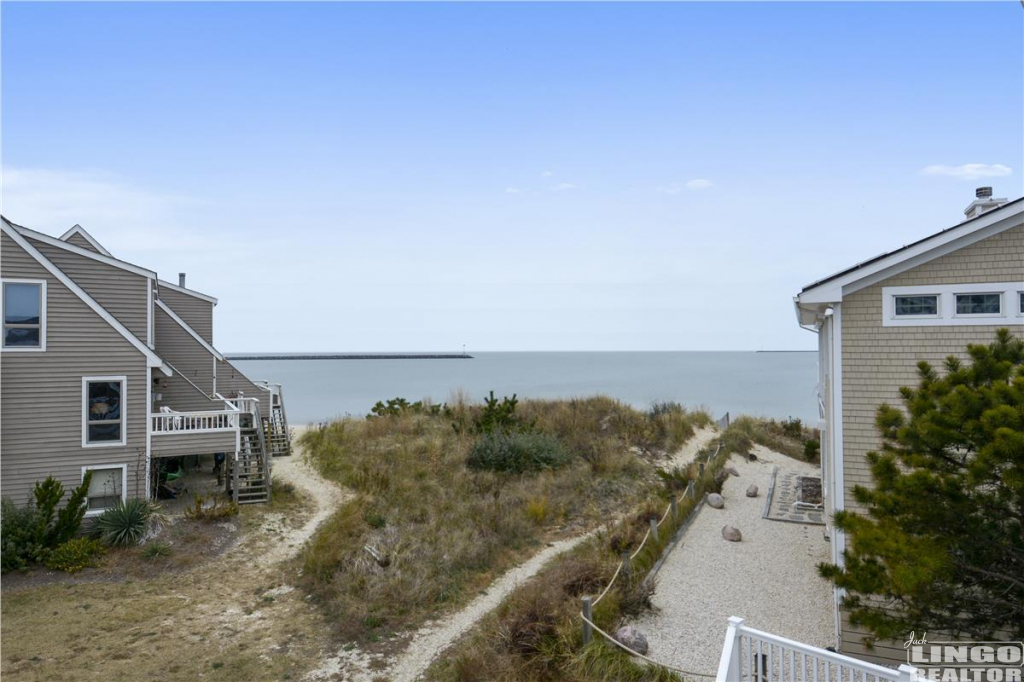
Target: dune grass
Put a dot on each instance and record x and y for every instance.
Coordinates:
(790, 437)
(425, 532)
(536, 634)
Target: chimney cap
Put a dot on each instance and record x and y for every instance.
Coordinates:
(181, 279)
(983, 192)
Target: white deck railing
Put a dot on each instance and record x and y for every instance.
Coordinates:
(194, 422)
(751, 655)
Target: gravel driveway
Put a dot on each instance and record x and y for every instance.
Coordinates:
(769, 579)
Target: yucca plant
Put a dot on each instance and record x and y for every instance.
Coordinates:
(125, 523)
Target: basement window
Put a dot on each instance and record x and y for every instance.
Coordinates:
(106, 487)
(979, 304)
(103, 411)
(916, 306)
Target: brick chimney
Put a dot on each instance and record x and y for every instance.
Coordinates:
(983, 203)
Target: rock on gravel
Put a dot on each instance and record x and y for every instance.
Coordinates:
(731, 534)
(752, 490)
(715, 500)
(632, 638)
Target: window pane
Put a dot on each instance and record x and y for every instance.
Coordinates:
(104, 488)
(1020, 301)
(21, 336)
(21, 303)
(978, 304)
(917, 305)
(99, 433)
(104, 400)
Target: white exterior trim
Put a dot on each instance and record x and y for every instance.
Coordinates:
(947, 315)
(41, 348)
(192, 332)
(149, 427)
(152, 358)
(52, 241)
(839, 488)
(99, 467)
(124, 412)
(78, 229)
(150, 335)
(188, 292)
(986, 225)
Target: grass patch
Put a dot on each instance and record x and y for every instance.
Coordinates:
(790, 437)
(427, 531)
(535, 635)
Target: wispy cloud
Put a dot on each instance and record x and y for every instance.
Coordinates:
(969, 171)
(694, 185)
(563, 186)
(547, 174)
(513, 190)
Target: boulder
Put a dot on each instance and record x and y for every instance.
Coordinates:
(716, 501)
(632, 638)
(731, 534)
(752, 490)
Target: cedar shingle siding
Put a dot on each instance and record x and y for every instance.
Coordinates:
(878, 360)
(41, 400)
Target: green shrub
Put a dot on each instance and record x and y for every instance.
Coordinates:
(517, 453)
(125, 523)
(812, 450)
(18, 526)
(156, 550)
(74, 555)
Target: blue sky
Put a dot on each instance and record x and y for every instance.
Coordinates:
(507, 176)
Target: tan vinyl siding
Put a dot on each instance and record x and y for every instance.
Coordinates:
(41, 401)
(121, 293)
(186, 355)
(181, 396)
(78, 240)
(196, 312)
(878, 360)
(180, 444)
(231, 382)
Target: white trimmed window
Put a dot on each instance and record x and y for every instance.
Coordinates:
(106, 487)
(990, 303)
(103, 411)
(24, 315)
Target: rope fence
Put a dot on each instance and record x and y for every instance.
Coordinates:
(625, 566)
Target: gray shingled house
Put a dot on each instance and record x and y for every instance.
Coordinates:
(877, 319)
(105, 367)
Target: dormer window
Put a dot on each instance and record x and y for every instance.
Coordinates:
(24, 315)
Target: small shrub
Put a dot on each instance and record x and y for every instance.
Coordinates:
(18, 526)
(499, 416)
(812, 450)
(156, 550)
(517, 453)
(200, 511)
(125, 523)
(537, 510)
(74, 555)
(793, 428)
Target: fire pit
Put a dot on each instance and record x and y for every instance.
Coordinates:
(808, 491)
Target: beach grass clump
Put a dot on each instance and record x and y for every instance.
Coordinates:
(536, 633)
(790, 437)
(441, 511)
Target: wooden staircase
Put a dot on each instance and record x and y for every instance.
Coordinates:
(277, 436)
(250, 472)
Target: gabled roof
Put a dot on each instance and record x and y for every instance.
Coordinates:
(188, 292)
(152, 359)
(61, 244)
(191, 332)
(832, 288)
(79, 230)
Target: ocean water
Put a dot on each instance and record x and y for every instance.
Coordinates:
(765, 384)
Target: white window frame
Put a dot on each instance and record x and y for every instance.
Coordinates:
(1000, 294)
(124, 484)
(1020, 304)
(41, 348)
(124, 412)
(938, 306)
(947, 294)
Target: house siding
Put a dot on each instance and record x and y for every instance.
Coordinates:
(123, 294)
(181, 444)
(189, 359)
(78, 240)
(196, 312)
(41, 401)
(231, 382)
(878, 360)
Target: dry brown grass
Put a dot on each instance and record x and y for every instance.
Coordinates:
(442, 531)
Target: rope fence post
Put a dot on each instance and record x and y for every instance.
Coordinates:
(627, 569)
(675, 507)
(587, 617)
(700, 468)
(691, 491)
(654, 529)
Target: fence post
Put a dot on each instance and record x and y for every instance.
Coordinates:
(654, 529)
(691, 491)
(907, 673)
(700, 468)
(626, 567)
(587, 617)
(675, 507)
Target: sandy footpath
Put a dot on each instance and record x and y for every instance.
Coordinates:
(769, 579)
